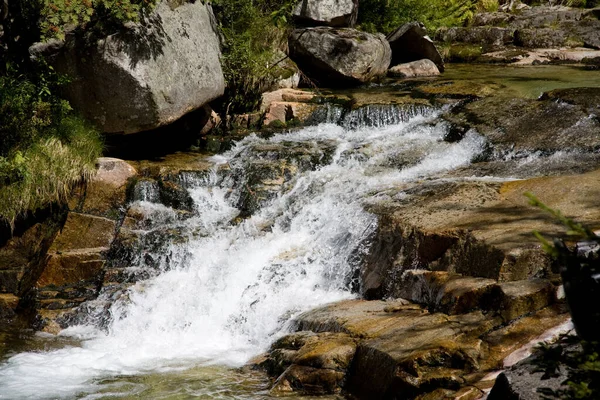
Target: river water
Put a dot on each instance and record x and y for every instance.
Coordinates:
(233, 285)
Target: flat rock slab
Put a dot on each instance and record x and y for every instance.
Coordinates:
(403, 350)
(311, 363)
(105, 193)
(488, 234)
(445, 292)
(82, 231)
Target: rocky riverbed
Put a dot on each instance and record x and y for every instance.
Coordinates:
(446, 276)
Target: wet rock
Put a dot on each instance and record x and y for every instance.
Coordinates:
(8, 306)
(587, 98)
(455, 90)
(72, 268)
(172, 194)
(169, 66)
(405, 352)
(399, 246)
(104, 194)
(414, 69)
(487, 234)
(411, 43)
(337, 13)
(339, 57)
(310, 363)
(287, 111)
(23, 257)
(83, 231)
(286, 95)
(550, 125)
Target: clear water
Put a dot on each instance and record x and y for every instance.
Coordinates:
(524, 81)
(232, 287)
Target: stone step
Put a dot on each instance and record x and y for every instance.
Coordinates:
(8, 305)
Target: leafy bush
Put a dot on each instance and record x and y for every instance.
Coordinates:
(58, 15)
(386, 15)
(253, 31)
(45, 149)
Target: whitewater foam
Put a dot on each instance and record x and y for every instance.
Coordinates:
(229, 292)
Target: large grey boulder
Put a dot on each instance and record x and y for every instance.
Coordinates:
(146, 76)
(411, 43)
(339, 57)
(338, 13)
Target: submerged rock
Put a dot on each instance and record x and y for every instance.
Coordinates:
(337, 13)
(339, 57)
(147, 76)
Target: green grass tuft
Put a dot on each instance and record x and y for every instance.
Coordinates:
(48, 169)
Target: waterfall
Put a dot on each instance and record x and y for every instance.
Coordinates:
(233, 285)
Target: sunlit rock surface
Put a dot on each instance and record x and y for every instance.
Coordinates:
(147, 76)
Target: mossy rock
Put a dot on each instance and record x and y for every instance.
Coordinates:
(462, 52)
(456, 90)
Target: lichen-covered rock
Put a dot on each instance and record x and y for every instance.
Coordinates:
(338, 13)
(411, 43)
(148, 75)
(543, 38)
(414, 69)
(339, 57)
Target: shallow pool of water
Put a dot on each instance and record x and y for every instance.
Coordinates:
(526, 81)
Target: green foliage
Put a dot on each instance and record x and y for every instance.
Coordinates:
(575, 230)
(253, 31)
(386, 15)
(45, 149)
(59, 15)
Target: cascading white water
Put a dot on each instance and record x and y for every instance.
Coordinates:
(231, 289)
